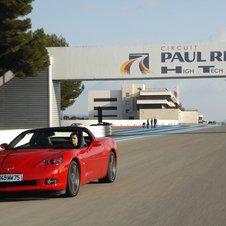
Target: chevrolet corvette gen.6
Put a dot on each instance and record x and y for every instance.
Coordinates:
(56, 160)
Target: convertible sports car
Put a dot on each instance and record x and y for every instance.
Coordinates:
(50, 160)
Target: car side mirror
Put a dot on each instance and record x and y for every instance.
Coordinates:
(96, 143)
(4, 145)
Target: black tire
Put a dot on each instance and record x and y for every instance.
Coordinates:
(111, 172)
(73, 180)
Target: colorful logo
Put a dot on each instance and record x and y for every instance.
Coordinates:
(143, 63)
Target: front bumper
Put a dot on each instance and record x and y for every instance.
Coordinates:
(36, 181)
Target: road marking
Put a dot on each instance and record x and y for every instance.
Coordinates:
(133, 133)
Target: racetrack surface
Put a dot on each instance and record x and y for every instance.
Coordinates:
(125, 133)
(165, 179)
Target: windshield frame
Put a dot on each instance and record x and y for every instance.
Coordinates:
(50, 132)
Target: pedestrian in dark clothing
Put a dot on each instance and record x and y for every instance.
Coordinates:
(151, 122)
(148, 123)
(155, 122)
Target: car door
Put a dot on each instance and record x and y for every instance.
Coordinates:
(95, 160)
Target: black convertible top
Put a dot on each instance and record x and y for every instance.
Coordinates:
(47, 134)
(63, 129)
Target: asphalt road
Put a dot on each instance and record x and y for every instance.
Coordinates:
(173, 179)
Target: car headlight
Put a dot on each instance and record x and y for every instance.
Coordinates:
(52, 161)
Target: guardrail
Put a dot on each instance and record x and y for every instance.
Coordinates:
(115, 122)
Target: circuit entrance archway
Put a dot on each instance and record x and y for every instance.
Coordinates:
(157, 61)
(35, 102)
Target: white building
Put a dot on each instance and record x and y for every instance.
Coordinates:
(116, 104)
(134, 102)
(109, 100)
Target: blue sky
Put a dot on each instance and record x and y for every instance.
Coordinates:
(131, 22)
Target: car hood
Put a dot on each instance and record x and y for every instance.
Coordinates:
(14, 159)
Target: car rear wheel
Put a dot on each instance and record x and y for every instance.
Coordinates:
(73, 179)
(111, 172)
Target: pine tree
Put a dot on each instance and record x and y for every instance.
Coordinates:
(70, 90)
(21, 51)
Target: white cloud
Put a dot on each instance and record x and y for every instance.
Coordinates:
(220, 37)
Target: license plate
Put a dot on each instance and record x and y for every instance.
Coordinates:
(11, 177)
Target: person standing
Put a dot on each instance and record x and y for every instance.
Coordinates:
(148, 123)
(155, 122)
(151, 122)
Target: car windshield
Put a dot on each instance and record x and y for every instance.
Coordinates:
(34, 139)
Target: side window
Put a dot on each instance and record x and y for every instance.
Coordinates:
(87, 139)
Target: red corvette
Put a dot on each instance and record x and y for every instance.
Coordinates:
(56, 160)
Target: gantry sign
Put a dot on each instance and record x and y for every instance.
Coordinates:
(154, 61)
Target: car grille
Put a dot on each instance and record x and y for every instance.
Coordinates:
(18, 184)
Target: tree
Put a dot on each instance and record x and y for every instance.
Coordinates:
(66, 117)
(180, 107)
(54, 41)
(22, 52)
(70, 90)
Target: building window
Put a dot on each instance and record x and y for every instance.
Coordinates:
(106, 108)
(127, 110)
(127, 102)
(105, 116)
(127, 94)
(105, 99)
